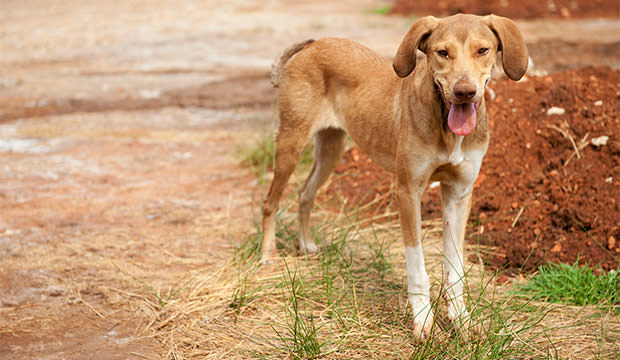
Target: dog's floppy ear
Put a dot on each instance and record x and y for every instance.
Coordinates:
(514, 51)
(404, 62)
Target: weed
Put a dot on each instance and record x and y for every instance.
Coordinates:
(260, 156)
(383, 10)
(574, 285)
(301, 337)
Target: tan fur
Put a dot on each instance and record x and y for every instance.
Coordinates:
(284, 58)
(397, 113)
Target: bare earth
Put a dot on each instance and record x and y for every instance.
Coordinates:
(119, 123)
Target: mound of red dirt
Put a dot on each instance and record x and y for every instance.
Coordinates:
(524, 9)
(549, 187)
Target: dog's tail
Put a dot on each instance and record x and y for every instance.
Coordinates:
(276, 68)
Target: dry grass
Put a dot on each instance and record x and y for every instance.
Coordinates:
(349, 302)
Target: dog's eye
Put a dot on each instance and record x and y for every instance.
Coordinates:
(442, 53)
(483, 51)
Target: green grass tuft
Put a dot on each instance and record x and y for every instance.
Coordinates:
(573, 285)
(261, 155)
(383, 10)
(300, 335)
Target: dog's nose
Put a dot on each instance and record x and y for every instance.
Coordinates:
(464, 90)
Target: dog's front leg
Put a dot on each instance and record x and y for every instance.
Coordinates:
(456, 203)
(418, 284)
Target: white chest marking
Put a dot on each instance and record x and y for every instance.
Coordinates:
(456, 157)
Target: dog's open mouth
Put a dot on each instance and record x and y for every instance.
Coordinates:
(462, 118)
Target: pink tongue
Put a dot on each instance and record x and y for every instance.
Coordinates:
(462, 118)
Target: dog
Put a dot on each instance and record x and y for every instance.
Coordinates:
(422, 119)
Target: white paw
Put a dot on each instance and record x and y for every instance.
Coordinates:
(462, 321)
(269, 260)
(422, 316)
(308, 247)
(457, 311)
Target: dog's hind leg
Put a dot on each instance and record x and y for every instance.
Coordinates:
(288, 154)
(328, 148)
(290, 143)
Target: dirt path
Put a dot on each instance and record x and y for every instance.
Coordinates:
(119, 122)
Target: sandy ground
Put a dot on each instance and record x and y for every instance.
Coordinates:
(119, 122)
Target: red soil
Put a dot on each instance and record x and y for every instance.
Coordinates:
(524, 9)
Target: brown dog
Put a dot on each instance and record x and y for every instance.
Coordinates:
(425, 122)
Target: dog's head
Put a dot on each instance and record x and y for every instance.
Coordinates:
(461, 52)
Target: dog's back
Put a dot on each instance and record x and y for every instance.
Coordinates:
(321, 83)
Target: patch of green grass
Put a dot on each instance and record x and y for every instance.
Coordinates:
(299, 333)
(383, 10)
(573, 285)
(261, 153)
(260, 156)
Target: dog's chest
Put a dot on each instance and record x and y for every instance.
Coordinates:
(456, 155)
(459, 158)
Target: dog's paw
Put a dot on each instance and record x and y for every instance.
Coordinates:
(465, 326)
(422, 329)
(270, 260)
(422, 317)
(307, 247)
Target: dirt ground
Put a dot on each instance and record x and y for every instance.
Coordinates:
(524, 9)
(119, 121)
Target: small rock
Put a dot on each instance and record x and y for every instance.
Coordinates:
(150, 94)
(599, 141)
(551, 6)
(502, 279)
(565, 13)
(611, 242)
(598, 103)
(554, 110)
(491, 94)
(556, 248)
